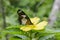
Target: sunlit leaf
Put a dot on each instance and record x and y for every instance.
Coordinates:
(35, 20)
(27, 27)
(40, 26)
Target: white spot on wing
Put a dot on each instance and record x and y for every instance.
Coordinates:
(24, 21)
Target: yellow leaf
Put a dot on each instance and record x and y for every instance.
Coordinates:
(35, 26)
(40, 26)
(35, 20)
(27, 27)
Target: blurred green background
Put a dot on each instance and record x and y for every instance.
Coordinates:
(39, 8)
(33, 8)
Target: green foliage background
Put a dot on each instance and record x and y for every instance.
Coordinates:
(39, 8)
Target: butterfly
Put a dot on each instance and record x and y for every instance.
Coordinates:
(23, 18)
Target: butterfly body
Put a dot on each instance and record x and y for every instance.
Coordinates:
(23, 18)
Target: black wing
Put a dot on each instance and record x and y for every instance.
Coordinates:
(20, 12)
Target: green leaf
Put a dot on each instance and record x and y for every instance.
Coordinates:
(21, 36)
(47, 37)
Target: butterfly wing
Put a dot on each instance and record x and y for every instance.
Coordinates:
(23, 18)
